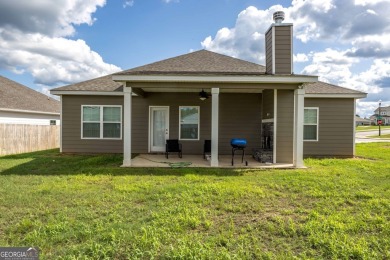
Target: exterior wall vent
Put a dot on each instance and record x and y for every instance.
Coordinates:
(278, 17)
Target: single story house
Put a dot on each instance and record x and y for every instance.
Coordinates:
(362, 121)
(22, 105)
(208, 96)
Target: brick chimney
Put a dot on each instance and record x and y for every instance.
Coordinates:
(279, 46)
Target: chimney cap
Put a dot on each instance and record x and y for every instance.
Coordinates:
(278, 17)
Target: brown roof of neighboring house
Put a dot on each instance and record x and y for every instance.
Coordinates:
(196, 63)
(201, 62)
(326, 88)
(19, 97)
(102, 84)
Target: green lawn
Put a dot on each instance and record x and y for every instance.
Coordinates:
(87, 207)
(371, 128)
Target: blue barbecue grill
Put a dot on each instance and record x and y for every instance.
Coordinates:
(238, 144)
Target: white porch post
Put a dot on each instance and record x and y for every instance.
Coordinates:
(299, 97)
(214, 126)
(126, 126)
(354, 127)
(61, 124)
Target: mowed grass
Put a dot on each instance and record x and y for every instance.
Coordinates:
(86, 207)
(364, 128)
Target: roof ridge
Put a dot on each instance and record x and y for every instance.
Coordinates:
(27, 88)
(233, 57)
(20, 97)
(198, 61)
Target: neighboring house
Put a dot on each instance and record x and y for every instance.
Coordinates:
(136, 110)
(384, 114)
(362, 121)
(22, 105)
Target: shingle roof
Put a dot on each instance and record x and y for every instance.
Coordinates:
(102, 84)
(17, 96)
(201, 62)
(326, 88)
(196, 63)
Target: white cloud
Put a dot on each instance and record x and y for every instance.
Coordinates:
(52, 60)
(300, 57)
(33, 40)
(52, 18)
(331, 65)
(367, 2)
(128, 3)
(131, 2)
(246, 39)
(357, 34)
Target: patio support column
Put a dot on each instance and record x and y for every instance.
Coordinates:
(354, 127)
(299, 98)
(214, 126)
(126, 126)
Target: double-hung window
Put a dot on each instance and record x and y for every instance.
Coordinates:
(101, 122)
(310, 125)
(189, 123)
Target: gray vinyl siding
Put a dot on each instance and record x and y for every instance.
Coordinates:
(239, 116)
(335, 132)
(268, 104)
(268, 51)
(283, 50)
(71, 126)
(140, 123)
(285, 126)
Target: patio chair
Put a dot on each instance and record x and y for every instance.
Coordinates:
(173, 146)
(206, 148)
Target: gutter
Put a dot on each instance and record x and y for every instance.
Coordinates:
(29, 111)
(286, 79)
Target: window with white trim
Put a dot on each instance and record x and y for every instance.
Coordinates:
(310, 124)
(189, 123)
(101, 122)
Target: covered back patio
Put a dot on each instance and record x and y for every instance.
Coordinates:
(169, 85)
(197, 161)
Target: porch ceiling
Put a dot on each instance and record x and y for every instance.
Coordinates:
(196, 90)
(174, 87)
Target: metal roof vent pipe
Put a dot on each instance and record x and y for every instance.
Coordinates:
(278, 17)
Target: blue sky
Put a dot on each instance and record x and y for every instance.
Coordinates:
(45, 43)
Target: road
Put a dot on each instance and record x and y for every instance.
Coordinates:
(363, 137)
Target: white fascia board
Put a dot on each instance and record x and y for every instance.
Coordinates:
(85, 93)
(218, 79)
(363, 95)
(29, 111)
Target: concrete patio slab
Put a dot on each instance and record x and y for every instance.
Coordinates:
(197, 161)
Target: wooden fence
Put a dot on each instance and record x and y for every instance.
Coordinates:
(28, 138)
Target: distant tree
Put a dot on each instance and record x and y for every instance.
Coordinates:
(357, 115)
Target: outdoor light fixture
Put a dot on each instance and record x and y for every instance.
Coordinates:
(203, 95)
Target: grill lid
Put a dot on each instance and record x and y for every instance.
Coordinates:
(238, 142)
